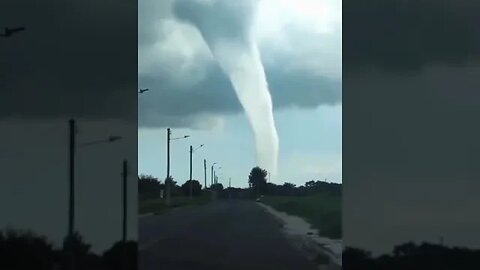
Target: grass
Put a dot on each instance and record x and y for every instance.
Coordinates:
(158, 206)
(323, 211)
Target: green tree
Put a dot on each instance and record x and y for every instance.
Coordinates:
(149, 187)
(196, 188)
(217, 187)
(175, 190)
(25, 250)
(169, 180)
(258, 180)
(122, 256)
(310, 184)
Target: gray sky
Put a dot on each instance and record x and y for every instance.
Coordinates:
(191, 94)
(75, 59)
(411, 135)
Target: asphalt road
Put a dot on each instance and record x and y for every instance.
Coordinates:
(225, 235)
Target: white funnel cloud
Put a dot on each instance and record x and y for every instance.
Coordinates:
(226, 27)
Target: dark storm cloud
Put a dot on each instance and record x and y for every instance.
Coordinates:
(411, 153)
(75, 58)
(405, 35)
(295, 88)
(176, 104)
(170, 104)
(410, 139)
(228, 20)
(148, 12)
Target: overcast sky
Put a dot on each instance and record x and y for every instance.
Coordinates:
(75, 59)
(300, 46)
(410, 136)
(411, 110)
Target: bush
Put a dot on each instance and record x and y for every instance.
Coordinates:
(25, 250)
(196, 188)
(121, 256)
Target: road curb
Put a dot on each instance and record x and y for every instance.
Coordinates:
(306, 242)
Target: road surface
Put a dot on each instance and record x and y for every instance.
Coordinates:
(227, 235)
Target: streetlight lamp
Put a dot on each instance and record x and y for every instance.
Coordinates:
(191, 154)
(10, 31)
(167, 181)
(72, 148)
(108, 140)
(142, 90)
(205, 172)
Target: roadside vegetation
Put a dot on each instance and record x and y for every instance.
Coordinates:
(27, 250)
(318, 202)
(322, 211)
(413, 257)
(151, 194)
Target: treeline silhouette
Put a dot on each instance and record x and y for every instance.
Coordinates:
(411, 256)
(149, 187)
(26, 250)
(257, 181)
(310, 188)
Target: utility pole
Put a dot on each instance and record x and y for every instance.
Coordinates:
(211, 180)
(230, 188)
(124, 216)
(71, 204)
(214, 177)
(205, 171)
(71, 209)
(167, 180)
(191, 182)
(124, 178)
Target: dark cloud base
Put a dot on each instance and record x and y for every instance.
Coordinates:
(174, 104)
(405, 35)
(75, 58)
(410, 132)
(215, 95)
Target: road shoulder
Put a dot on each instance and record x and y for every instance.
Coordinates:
(304, 237)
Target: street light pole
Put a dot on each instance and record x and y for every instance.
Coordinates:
(191, 153)
(71, 169)
(230, 188)
(124, 223)
(167, 180)
(124, 216)
(211, 177)
(205, 171)
(71, 202)
(191, 182)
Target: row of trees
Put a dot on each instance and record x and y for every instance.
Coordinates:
(150, 187)
(25, 250)
(257, 181)
(413, 257)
